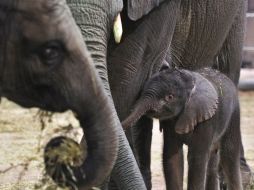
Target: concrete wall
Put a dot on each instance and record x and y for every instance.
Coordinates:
(248, 49)
(249, 33)
(250, 5)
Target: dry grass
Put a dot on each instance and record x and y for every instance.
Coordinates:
(22, 138)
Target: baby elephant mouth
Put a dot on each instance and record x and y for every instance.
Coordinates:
(161, 114)
(153, 113)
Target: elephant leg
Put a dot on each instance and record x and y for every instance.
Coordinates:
(173, 164)
(198, 161)
(142, 137)
(199, 149)
(212, 181)
(231, 167)
(197, 170)
(230, 55)
(230, 58)
(230, 154)
(246, 173)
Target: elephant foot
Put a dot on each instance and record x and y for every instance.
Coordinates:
(247, 179)
(247, 175)
(223, 186)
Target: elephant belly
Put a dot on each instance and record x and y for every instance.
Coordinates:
(201, 32)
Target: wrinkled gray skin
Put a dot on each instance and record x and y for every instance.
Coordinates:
(52, 69)
(201, 34)
(200, 109)
(138, 57)
(197, 34)
(95, 19)
(44, 63)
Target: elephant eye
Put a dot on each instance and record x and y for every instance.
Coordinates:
(51, 53)
(169, 98)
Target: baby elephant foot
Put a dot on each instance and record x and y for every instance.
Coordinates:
(247, 178)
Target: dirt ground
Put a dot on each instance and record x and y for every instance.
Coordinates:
(22, 138)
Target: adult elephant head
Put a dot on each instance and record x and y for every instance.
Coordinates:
(44, 63)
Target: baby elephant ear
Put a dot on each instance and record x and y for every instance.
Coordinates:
(201, 105)
(139, 8)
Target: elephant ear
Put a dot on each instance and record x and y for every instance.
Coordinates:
(200, 106)
(139, 8)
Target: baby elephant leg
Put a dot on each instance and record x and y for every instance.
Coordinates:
(198, 157)
(230, 154)
(197, 170)
(172, 157)
(213, 181)
(231, 166)
(246, 173)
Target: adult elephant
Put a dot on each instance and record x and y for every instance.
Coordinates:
(191, 34)
(45, 63)
(95, 18)
(202, 32)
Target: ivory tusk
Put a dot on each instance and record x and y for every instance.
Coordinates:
(118, 29)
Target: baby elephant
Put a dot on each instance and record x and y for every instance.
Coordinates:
(199, 109)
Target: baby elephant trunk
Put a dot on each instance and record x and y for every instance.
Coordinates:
(140, 109)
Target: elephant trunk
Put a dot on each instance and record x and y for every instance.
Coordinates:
(100, 134)
(91, 105)
(95, 19)
(96, 25)
(139, 110)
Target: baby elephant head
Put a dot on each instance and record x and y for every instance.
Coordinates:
(183, 95)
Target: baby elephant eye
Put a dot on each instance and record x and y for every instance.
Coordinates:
(169, 98)
(51, 53)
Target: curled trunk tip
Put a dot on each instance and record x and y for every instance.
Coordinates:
(139, 110)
